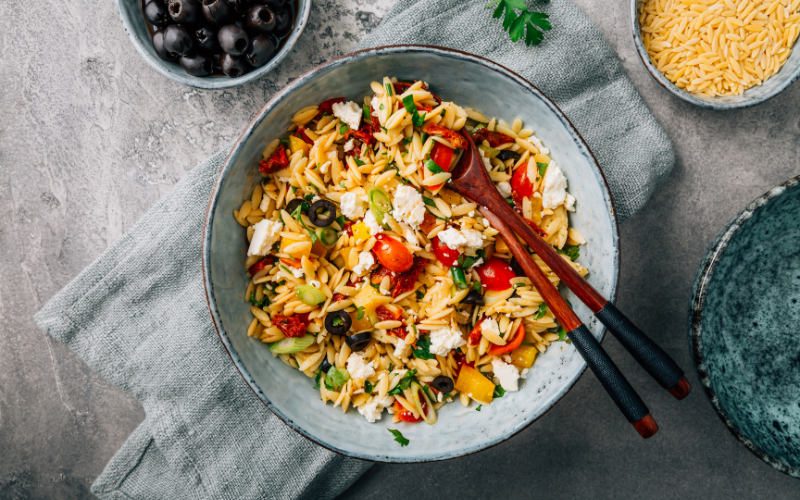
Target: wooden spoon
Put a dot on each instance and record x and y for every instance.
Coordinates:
(470, 179)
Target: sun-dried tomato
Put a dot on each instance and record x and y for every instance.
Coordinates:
(291, 326)
(386, 314)
(261, 264)
(428, 223)
(348, 228)
(422, 108)
(378, 274)
(407, 280)
(301, 133)
(376, 124)
(461, 359)
(456, 139)
(535, 227)
(364, 134)
(327, 106)
(339, 296)
(277, 161)
(494, 138)
(399, 332)
(475, 334)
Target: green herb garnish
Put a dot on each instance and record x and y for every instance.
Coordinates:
(573, 252)
(389, 89)
(429, 201)
(499, 391)
(562, 334)
(337, 377)
(423, 349)
(299, 219)
(515, 23)
(343, 129)
(404, 382)
(433, 167)
(478, 408)
(359, 162)
(399, 437)
(368, 387)
(360, 313)
(541, 312)
(316, 379)
(341, 221)
(366, 110)
(542, 168)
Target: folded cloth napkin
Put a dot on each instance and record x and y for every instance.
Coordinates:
(138, 314)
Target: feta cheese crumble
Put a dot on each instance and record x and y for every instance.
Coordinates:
(507, 375)
(348, 112)
(408, 206)
(372, 411)
(400, 349)
(372, 223)
(266, 233)
(504, 188)
(411, 237)
(352, 207)
(349, 145)
(555, 193)
(490, 326)
(357, 368)
(455, 238)
(365, 262)
(445, 340)
(297, 273)
(536, 142)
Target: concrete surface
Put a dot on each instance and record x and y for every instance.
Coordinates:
(91, 137)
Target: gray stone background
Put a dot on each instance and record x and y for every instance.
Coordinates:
(91, 137)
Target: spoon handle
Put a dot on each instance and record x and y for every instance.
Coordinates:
(614, 382)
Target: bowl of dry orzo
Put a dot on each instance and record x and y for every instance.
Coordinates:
(370, 307)
(718, 54)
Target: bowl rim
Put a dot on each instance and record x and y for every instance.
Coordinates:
(671, 88)
(216, 83)
(697, 308)
(246, 133)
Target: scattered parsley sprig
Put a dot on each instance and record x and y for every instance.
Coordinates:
(515, 23)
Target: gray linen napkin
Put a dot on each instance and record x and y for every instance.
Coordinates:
(138, 314)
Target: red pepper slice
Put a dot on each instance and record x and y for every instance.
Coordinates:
(277, 161)
(407, 416)
(494, 138)
(261, 264)
(291, 326)
(442, 156)
(475, 334)
(407, 280)
(301, 133)
(510, 346)
(339, 296)
(456, 139)
(327, 106)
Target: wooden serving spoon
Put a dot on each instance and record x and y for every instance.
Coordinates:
(471, 180)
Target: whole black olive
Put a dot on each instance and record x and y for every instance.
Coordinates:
(443, 384)
(516, 267)
(338, 322)
(284, 20)
(233, 66)
(322, 213)
(272, 4)
(291, 207)
(240, 6)
(260, 19)
(206, 37)
(156, 12)
(185, 12)
(218, 12)
(158, 46)
(216, 59)
(196, 63)
(473, 297)
(325, 366)
(507, 154)
(233, 39)
(262, 50)
(359, 341)
(177, 39)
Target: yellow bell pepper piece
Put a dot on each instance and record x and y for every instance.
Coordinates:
(523, 356)
(473, 384)
(370, 299)
(361, 232)
(297, 144)
(285, 242)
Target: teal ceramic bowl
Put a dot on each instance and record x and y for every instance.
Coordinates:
(744, 326)
(750, 97)
(470, 81)
(130, 13)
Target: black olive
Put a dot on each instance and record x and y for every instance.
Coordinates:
(262, 50)
(196, 63)
(284, 20)
(507, 154)
(217, 11)
(325, 366)
(516, 267)
(158, 46)
(240, 6)
(233, 39)
(233, 66)
(216, 59)
(473, 297)
(185, 11)
(291, 207)
(443, 384)
(177, 39)
(272, 4)
(260, 19)
(322, 206)
(206, 37)
(338, 322)
(156, 12)
(359, 341)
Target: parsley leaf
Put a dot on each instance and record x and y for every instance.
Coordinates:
(368, 387)
(359, 162)
(341, 221)
(562, 334)
(360, 313)
(516, 24)
(420, 295)
(316, 379)
(404, 382)
(573, 252)
(411, 107)
(433, 167)
(428, 201)
(399, 437)
(423, 349)
(542, 168)
(499, 391)
(541, 312)
(478, 408)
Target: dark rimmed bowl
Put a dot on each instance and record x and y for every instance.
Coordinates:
(750, 97)
(744, 326)
(130, 13)
(470, 81)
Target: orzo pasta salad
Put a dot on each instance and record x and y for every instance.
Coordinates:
(386, 288)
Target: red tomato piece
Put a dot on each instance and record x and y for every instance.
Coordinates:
(442, 156)
(496, 274)
(536, 228)
(392, 254)
(378, 274)
(327, 106)
(493, 138)
(510, 346)
(407, 280)
(407, 416)
(339, 296)
(475, 334)
(301, 133)
(385, 314)
(444, 253)
(376, 124)
(521, 184)
(363, 134)
(277, 161)
(461, 360)
(261, 264)
(456, 139)
(291, 326)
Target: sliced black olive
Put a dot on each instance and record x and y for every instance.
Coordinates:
(325, 366)
(291, 207)
(322, 213)
(338, 322)
(359, 341)
(507, 154)
(473, 297)
(516, 268)
(443, 384)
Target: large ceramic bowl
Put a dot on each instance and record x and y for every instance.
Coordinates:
(470, 81)
(744, 326)
(130, 13)
(750, 97)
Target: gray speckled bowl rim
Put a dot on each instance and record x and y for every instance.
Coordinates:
(213, 83)
(671, 88)
(250, 129)
(696, 308)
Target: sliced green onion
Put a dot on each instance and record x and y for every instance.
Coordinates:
(478, 126)
(337, 377)
(373, 318)
(343, 129)
(291, 345)
(459, 279)
(379, 203)
(327, 236)
(490, 151)
(310, 295)
(367, 117)
(389, 89)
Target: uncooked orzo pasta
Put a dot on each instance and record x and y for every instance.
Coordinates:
(386, 288)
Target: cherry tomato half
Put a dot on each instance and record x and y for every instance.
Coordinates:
(521, 185)
(496, 274)
(392, 254)
(407, 416)
(496, 350)
(442, 156)
(444, 253)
